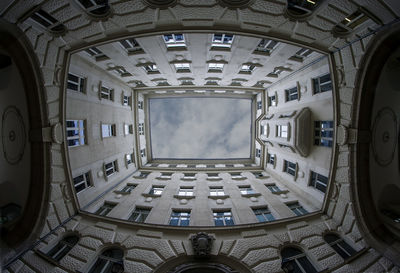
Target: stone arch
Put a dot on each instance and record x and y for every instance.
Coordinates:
(377, 124)
(26, 145)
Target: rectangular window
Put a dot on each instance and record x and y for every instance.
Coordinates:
(106, 93)
(128, 188)
(131, 45)
(247, 68)
(259, 105)
(289, 167)
(222, 40)
(179, 218)
(302, 53)
(297, 208)
(174, 40)
(223, 218)
(143, 152)
(143, 174)
(282, 131)
(139, 215)
(76, 83)
(108, 130)
(126, 100)
(95, 53)
(291, 94)
(263, 214)
(165, 175)
(105, 209)
(217, 191)
(150, 68)
(47, 21)
(140, 104)
(129, 159)
(272, 100)
(128, 129)
(323, 133)
(156, 190)
(110, 168)
(236, 175)
(121, 71)
(266, 46)
(189, 176)
(75, 133)
(271, 158)
(141, 128)
(185, 191)
(244, 190)
(318, 181)
(82, 182)
(273, 188)
(258, 174)
(215, 67)
(322, 84)
(258, 153)
(353, 20)
(182, 67)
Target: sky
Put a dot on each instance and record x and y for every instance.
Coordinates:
(200, 128)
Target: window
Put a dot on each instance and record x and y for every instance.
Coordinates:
(322, 84)
(266, 46)
(128, 129)
(165, 175)
(272, 100)
(106, 93)
(76, 83)
(296, 260)
(96, 53)
(263, 214)
(128, 188)
(140, 104)
(131, 45)
(97, 8)
(189, 176)
(110, 168)
(139, 215)
(105, 209)
(82, 182)
(258, 174)
(217, 191)
(126, 100)
(185, 191)
(215, 67)
(182, 67)
(318, 181)
(121, 71)
(323, 133)
(143, 174)
(247, 68)
(271, 159)
(47, 21)
(259, 105)
(129, 159)
(282, 131)
(108, 130)
(353, 20)
(141, 128)
(222, 41)
(156, 190)
(110, 260)
(143, 152)
(258, 153)
(339, 245)
(236, 175)
(297, 209)
(244, 190)
(150, 68)
(75, 133)
(179, 218)
(273, 188)
(62, 247)
(174, 40)
(302, 54)
(223, 218)
(289, 167)
(291, 94)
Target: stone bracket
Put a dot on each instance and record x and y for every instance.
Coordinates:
(48, 134)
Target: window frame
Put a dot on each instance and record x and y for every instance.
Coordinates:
(62, 247)
(81, 83)
(222, 44)
(108, 128)
(87, 181)
(323, 141)
(316, 84)
(106, 92)
(227, 220)
(139, 213)
(81, 137)
(289, 167)
(105, 209)
(264, 213)
(297, 208)
(314, 181)
(340, 246)
(113, 167)
(181, 216)
(174, 42)
(292, 94)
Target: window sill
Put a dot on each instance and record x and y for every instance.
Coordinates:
(220, 48)
(151, 195)
(214, 179)
(163, 178)
(280, 192)
(184, 196)
(262, 177)
(239, 178)
(188, 179)
(122, 192)
(218, 196)
(251, 194)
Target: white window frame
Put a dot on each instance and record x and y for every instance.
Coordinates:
(222, 43)
(86, 181)
(81, 83)
(174, 42)
(186, 191)
(282, 131)
(141, 214)
(106, 93)
(216, 66)
(179, 67)
(217, 191)
(81, 132)
(113, 167)
(266, 45)
(108, 130)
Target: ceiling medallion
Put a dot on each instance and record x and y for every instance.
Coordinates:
(13, 135)
(384, 136)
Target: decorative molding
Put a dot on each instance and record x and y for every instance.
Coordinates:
(202, 243)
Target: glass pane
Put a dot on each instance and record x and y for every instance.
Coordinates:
(218, 222)
(306, 265)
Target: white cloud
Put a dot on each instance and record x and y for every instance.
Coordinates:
(200, 127)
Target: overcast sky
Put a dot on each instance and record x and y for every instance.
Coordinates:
(202, 128)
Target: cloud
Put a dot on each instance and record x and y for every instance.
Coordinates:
(200, 127)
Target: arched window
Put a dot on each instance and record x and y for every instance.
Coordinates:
(339, 245)
(295, 261)
(110, 260)
(63, 247)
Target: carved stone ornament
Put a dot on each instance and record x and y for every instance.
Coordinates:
(202, 243)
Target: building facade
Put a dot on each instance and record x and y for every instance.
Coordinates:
(300, 200)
